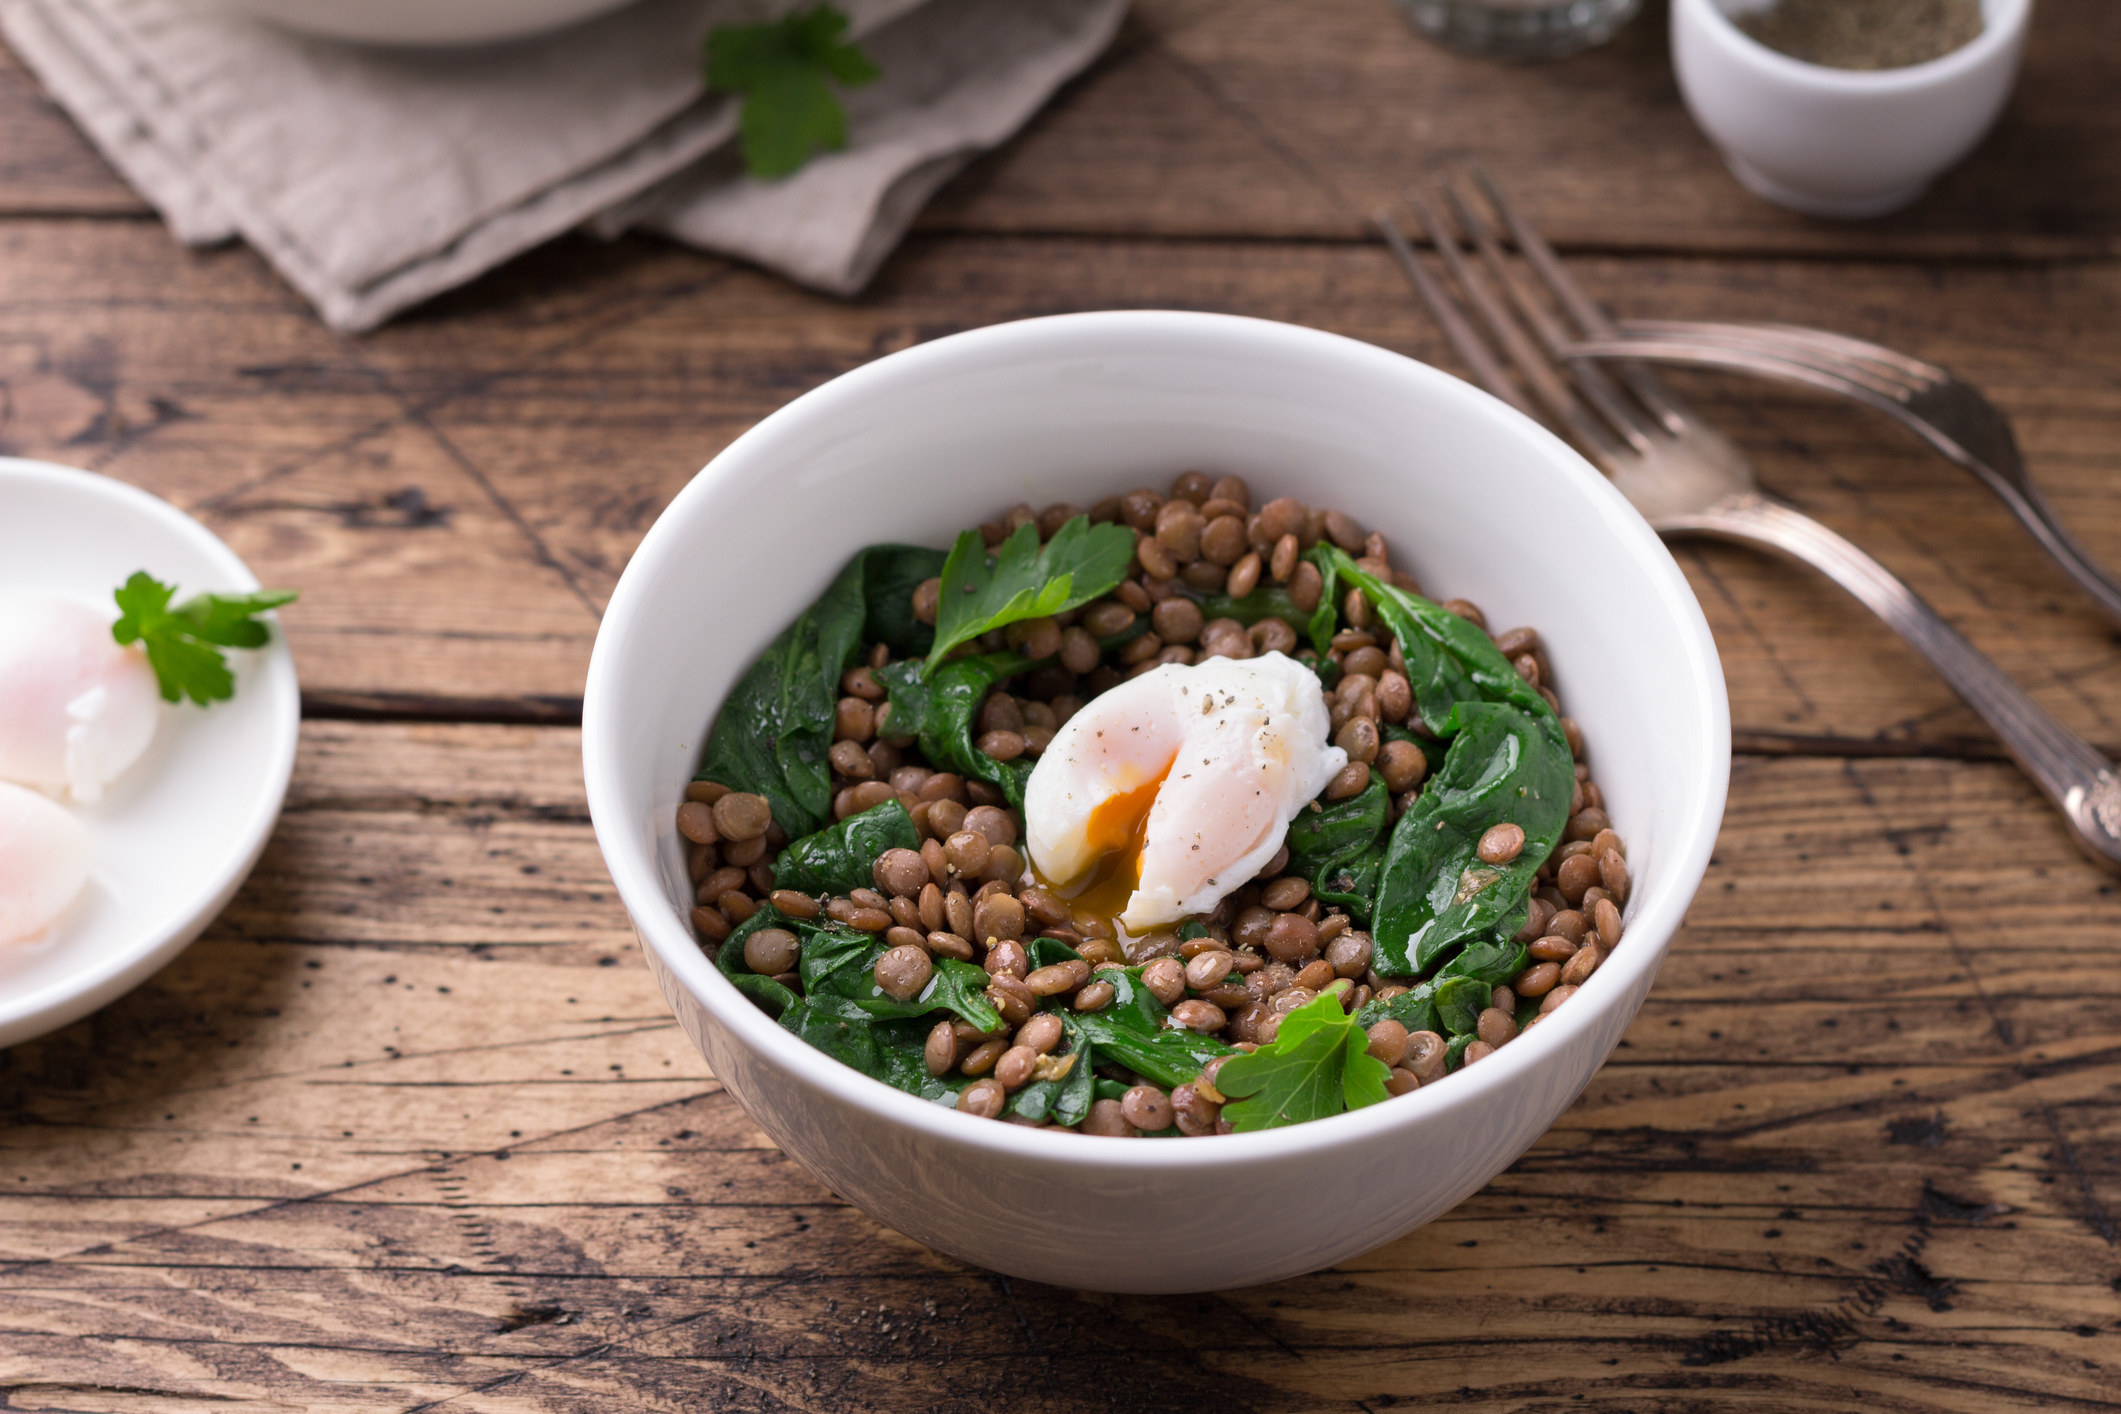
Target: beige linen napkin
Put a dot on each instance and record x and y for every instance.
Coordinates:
(375, 178)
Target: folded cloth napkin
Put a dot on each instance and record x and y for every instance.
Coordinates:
(375, 178)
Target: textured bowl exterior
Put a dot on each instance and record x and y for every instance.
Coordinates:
(1836, 142)
(1074, 408)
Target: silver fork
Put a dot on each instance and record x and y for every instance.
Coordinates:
(1946, 412)
(1689, 479)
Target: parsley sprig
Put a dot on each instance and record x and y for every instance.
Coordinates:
(184, 643)
(1317, 1065)
(785, 70)
(1022, 581)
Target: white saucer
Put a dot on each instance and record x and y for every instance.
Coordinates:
(178, 833)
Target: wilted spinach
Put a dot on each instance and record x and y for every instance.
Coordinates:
(839, 858)
(772, 733)
(1065, 1098)
(1340, 847)
(1507, 762)
(942, 709)
(1450, 1006)
(1490, 961)
(1135, 1030)
(845, 1014)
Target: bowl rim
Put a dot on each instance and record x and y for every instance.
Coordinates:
(44, 1011)
(668, 936)
(2006, 30)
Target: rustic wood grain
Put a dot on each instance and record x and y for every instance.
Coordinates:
(410, 1127)
(457, 494)
(1862, 1146)
(1269, 117)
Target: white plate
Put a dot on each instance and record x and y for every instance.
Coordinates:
(421, 23)
(178, 833)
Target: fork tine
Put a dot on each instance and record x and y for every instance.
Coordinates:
(1461, 334)
(1525, 358)
(1591, 380)
(1648, 388)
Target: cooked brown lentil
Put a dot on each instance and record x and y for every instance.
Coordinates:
(1272, 945)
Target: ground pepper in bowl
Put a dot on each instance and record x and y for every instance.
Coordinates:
(1865, 34)
(858, 846)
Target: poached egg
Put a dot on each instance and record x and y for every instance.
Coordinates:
(76, 708)
(44, 857)
(1175, 788)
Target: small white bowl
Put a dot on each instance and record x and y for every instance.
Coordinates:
(1840, 142)
(421, 23)
(1476, 498)
(177, 834)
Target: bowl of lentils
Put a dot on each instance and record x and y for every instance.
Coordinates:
(1153, 727)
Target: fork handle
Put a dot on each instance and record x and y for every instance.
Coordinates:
(2066, 768)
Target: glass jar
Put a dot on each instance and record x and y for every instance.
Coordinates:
(1519, 29)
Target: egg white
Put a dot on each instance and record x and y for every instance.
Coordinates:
(76, 708)
(1235, 749)
(44, 859)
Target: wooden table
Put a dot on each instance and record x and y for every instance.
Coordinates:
(410, 1127)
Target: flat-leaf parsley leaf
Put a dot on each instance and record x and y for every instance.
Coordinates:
(1021, 581)
(1317, 1065)
(184, 643)
(785, 70)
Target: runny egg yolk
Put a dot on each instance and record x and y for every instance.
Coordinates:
(1116, 833)
(1164, 794)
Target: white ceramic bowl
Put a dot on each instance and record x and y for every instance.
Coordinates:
(421, 23)
(1476, 498)
(175, 835)
(1840, 142)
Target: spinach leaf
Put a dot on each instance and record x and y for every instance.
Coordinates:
(770, 995)
(1044, 952)
(1454, 1054)
(839, 858)
(1135, 1031)
(1449, 660)
(893, 1051)
(1507, 762)
(1435, 892)
(902, 1061)
(843, 1012)
(1022, 581)
(1064, 1098)
(1490, 961)
(773, 731)
(1317, 1065)
(1326, 830)
(839, 961)
(1447, 1005)
(890, 574)
(1340, 847)
(839, 1028)
(1414, 1009)
(1325, 619)
(941, 710)
(1459, 1003)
